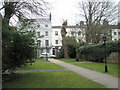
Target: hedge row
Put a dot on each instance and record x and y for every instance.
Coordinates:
(98, 52)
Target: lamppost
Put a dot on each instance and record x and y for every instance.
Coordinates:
(104, 39)
(46, 54)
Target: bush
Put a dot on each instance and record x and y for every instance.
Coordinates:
(72, 47)
(17, 48)
(98, 52)
(71, 51)
(61, 53)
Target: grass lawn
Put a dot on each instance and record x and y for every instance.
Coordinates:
(53, 79)
(112, 67)
(68, 60)
(40, 60)
(41, 66)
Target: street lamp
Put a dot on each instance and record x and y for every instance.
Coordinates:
(105, 39)
(46, 54)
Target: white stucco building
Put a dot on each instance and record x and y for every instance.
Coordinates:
(115, 34)
(51, 36)
(73, 31)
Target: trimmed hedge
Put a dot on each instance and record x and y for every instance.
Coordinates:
(98, 52)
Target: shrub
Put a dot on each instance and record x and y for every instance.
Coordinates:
(97, 52)
(72, 47)
(71, 51)
(17, 48)
(61, 53)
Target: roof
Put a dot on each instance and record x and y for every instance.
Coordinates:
(43, 20)
(111, 26)
(39, 20)
(66, 27)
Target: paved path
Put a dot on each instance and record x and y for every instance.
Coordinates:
(104, 79)
(25, 71)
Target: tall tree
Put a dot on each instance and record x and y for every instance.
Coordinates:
(17, 48)
(94, 13)
(24, 8)
(64, 42)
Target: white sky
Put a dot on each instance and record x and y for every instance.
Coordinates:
(62, 10)
(66, 9)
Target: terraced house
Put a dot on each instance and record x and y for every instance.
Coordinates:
(49, 40)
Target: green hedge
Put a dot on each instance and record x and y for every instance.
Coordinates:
(71, 51)
(97, 52)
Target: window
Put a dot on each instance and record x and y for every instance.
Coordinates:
(56, 41)
(115, 33)
(38, 26)
(79, 40)
(46, 42)
(48, 50)
(41, 51)
(53, 51)
(46, 25)
(119, 33)
(38, 42)
(46, 33)
(72, 33)
(115, 39)
(56, 32)
(38, 34)
(79, 33)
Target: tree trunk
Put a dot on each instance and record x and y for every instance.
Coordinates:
(64, 42)
(66, 55)
(9, 10)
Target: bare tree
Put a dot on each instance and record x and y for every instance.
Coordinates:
(94, 14)
(24, 8)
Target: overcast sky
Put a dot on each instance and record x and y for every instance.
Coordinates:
(65, 10)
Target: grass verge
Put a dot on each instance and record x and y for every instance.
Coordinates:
(54, 79)
(112, 67)
(40, 60)
(68, 60)
(41, 64)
